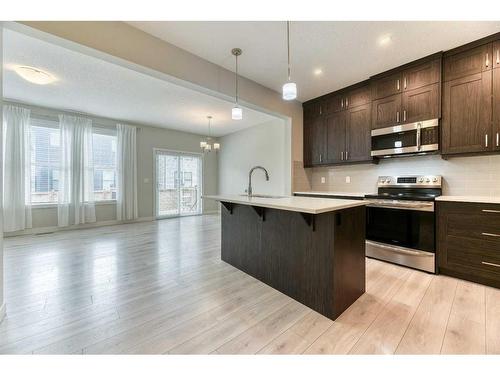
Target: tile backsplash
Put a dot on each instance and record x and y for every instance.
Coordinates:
(475, 175)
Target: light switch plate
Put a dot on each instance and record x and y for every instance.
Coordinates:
(348, 179)
(323, 180)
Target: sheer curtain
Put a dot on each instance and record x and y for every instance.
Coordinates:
(17, 168)
(126, 167)
(76, 172)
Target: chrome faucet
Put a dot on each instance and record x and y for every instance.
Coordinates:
(249, 190)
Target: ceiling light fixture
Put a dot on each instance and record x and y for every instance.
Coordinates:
(289, 88)
(208, 144)
(385, 40)
(236, 112)
(34, 75)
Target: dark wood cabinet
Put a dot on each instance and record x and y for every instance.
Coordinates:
(414, 93)
(386, 86)
(386, 112)
(357, 134)
(468, 241)
(496, 109)
(421, 103)
(468, 62)
(496, 54)
(335, 129)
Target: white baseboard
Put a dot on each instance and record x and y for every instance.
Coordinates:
(2, 311)
(104, 223)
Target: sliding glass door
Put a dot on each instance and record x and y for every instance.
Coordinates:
(178, 184)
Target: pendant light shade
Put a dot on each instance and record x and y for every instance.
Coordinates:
(237, 112)
(289, 88)
(289, 91)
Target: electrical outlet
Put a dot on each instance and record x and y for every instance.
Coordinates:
(348, 179)
(323, 180)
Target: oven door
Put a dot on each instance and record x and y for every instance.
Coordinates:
(416, 137)
(407, 228)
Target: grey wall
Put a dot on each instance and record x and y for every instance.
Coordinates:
(148, 138)
(266, 145)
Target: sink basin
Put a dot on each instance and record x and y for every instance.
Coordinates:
(263, 196)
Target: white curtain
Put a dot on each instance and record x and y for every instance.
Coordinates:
(76, 172)
(126, 167)
(17, 168)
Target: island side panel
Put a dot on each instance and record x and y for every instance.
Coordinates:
(349, 257)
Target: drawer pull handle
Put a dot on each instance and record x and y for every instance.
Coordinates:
(490, 234)
(492, 211)
(491, 264)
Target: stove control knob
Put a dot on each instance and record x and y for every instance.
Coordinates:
(382, 180)
(388, 181)
(434, 179)
(420, 179)
(427, 180)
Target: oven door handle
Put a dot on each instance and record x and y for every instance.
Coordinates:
(419, 207)
(398, 249)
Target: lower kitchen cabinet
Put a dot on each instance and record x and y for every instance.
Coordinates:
(468, 241)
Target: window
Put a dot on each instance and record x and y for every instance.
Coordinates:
(44, 161)
(45, 154)
(104, 149)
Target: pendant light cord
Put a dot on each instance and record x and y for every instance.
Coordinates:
(288, 46)
(236, 79)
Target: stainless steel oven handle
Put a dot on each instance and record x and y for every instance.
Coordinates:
(415, 207)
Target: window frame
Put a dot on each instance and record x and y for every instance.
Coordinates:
(101, 130)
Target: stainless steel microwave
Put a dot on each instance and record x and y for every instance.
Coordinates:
(415, 138)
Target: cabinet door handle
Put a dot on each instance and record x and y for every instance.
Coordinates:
(491, 264)
(486, 140)
(346, 102)
(320, 158)
(492, 211)
(397, 84)
(487, 59)
(498, 56)
(405, 84)
(397, 116)
(404, 115)
(342, 103)
(498, 139)
(341, 155)
(320, 110)
(490, 234)
(347, 155)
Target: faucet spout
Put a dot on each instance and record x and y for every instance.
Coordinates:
(249, 190)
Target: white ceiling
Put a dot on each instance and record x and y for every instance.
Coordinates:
(347, 52)
(87, 84)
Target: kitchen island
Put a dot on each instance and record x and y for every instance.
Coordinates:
(311, 249)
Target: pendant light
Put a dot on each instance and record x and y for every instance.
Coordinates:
(289, 88)
(208, 144)
(236, 112)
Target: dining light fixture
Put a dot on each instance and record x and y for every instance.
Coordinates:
(208, 143)
(34, 75)
(236, 112)
(289, 88)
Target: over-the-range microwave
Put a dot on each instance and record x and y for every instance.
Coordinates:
(406, 139)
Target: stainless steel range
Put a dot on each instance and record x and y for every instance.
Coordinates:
(401, 221)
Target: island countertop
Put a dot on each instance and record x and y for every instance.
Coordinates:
(290, 203)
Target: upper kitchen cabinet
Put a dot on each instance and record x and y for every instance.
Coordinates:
(471, 92)
(496, 54)
(407, 94)
(337, 127)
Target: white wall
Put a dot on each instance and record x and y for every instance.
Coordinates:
(267, 145)
(472, 175)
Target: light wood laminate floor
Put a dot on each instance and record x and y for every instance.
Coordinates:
(160, 287)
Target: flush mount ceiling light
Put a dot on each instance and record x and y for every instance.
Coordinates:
(236, 112)
(289, 88)
(208, 143)
(318, 72)
(34, 75)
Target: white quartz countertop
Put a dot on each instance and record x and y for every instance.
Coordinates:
(469, 198)
(298, 204)
(334, 193)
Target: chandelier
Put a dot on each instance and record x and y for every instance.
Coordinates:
(208, 143)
